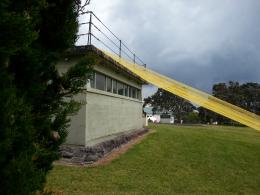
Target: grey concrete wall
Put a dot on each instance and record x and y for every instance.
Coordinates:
(77, 129)
(165, 120)
(108, 115)
(105, 114)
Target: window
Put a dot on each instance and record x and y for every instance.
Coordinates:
(105, 83)
(130, 91)
(120, 88)
(114, 86)
(133, 92)
(139, 94)
(100, 81)
(126, 90)
(92, 80)
(109, 84)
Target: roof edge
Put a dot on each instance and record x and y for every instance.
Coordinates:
(81, 50)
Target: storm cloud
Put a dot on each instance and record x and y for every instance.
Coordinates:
(196, 42)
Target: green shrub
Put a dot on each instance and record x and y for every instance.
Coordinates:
(35, 101)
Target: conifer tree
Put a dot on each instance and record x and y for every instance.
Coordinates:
(35, 100)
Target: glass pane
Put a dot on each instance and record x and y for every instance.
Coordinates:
(92, 80)
(109, 84)
(100, 81)
(114, 86)
(120, 88)
(134, 93)
(139, 94)
(126, 90)
(130, 91)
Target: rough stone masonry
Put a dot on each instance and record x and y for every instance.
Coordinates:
(86, 155)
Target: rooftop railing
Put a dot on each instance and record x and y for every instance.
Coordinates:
(98, 31)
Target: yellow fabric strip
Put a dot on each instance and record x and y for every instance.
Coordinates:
(198, 97)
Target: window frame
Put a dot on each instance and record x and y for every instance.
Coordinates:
(92, 81)
(104, 76)
(128, 90)
(120, 84)
(109, 78)
(114, 90)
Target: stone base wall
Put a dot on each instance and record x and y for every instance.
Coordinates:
(86, 155)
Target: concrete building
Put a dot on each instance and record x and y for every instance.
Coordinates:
(113, 101)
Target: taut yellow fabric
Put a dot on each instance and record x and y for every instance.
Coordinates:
(198, 97)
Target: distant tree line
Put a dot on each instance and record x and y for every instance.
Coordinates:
(246, 95)
(166, 103)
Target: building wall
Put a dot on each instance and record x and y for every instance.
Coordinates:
(77, 129)
(167, 120)
(109, 114)
(105, 114)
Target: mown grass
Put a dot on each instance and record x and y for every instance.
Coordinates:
(174, 159)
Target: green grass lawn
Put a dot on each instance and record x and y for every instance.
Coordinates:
(174, 159)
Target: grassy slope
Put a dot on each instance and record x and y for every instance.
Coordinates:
(199, 160)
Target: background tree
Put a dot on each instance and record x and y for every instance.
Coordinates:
(192, 118)
(246, 96)
(35, 101)
(166, 102)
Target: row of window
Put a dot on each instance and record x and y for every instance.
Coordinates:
(106, 83)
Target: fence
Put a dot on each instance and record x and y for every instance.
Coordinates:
(98, 31)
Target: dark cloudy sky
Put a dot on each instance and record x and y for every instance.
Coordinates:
(198, 42)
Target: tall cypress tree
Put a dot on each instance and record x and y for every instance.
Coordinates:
(35, 100)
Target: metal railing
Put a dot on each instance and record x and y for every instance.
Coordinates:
(115, 44)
